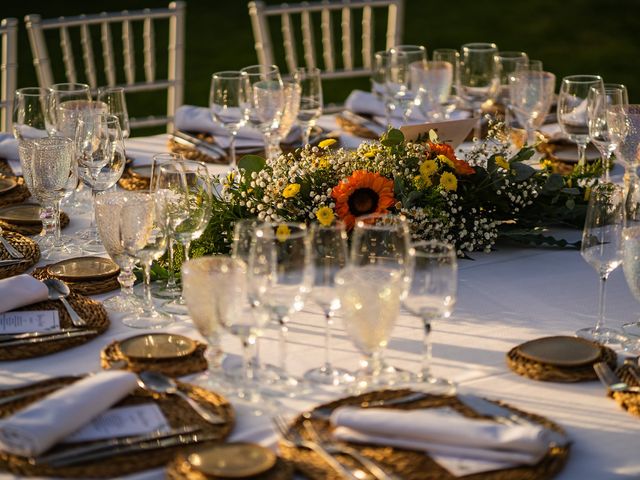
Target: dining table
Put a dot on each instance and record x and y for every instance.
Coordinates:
(508, 296)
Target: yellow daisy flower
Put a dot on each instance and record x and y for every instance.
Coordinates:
(372, 153)
(325, 216)
(291, 190)
(448, 181)
(446, 160)
(324, 162)
(327, 142)
(428, 168)
(282, 233)
(421, 183)
(501, 162)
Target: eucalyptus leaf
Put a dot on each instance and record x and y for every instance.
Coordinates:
(522, 171)
(392, 138)
(251, 163)
(412, 198)
(554, 183)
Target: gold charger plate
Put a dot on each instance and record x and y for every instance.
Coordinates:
(233, 460)
(562, 351)
(83, 269)
(157, 346)
(21, 214)
(7, 184)
(177, 412)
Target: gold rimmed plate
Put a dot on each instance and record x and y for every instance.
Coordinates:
(233, 460)
(157, 346)
(21, 214)
(84, 269)
(7, 184)
(561, 351)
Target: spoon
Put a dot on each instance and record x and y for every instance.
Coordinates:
(58, 290)
(159, 383)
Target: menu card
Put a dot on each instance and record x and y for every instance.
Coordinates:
(29, 321)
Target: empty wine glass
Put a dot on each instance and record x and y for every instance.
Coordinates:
(531, 98)
(432, 296)
(229, 104)
(629, 147)
(59, 95)
(479, 77)
(531, 65)
(330, 255)
(507, 63)
(142, 236)
(400, 83)
(311, 100)
(291, 93)
(370, 299)
(30, 113)
(602, 248)
(116, 102)
(432, 81)
(631, 262)
(452, 56)
(572, 109)
(378, 83)
(265, 100)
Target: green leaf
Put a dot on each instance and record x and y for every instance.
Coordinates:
(522, 171)
(412, 198)
(398, 186)
(392, 138)
(523, 154)
(251, 163)
(491, 164)
(554, 183)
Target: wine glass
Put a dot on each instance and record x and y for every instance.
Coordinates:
(142, 236)
(531, 98)
(378, 83)
(291, 93)
(531, 65)
(507, 63)
(228, 102)
(99, 149)
(281, 277)
(629, 148)
(49, 170)
(116, 102)
(432, 296)
(479, 77)
(108, 207)
(631, 262)
(30, 113)
(400, 83)
(370, 299)
(330, 255)
(432, 83)
(452, 56)
(602, 248)
(265, 100)
(188, 188)
(59, 95)
(572, 109)
(607, 121)
(310, 100)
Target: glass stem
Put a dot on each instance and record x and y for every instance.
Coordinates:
(57, 228)
(477, 130)
(171, 281)
(327, 340)
(306, 133)
(600, 324)
(232, 148)
(247, 354)
(255, 361)
(282, 340)
(94, 192)
(148, 302)
(388, 107)
(126, 280)
(186, 245)
(48, 219)
(426, 349)
(606, 165)
(582, 150)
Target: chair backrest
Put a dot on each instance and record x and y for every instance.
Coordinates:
(9, 73)
(112, 76)
(349, 65)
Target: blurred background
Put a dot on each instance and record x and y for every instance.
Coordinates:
(569, 36)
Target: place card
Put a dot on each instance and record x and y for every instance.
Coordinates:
(452, 132)
(122, 422)
(29, 321)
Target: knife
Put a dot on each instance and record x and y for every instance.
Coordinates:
(71, 453)
(210, 149)
(49, 338)
(502, 414)
(6, 337)
(140, 447)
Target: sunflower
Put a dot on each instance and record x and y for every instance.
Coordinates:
(361, 194)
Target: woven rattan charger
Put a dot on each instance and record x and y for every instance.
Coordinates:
(176, 411)
(24, 245)
(18, 194)
(414, 465)
(87, 287)
(32, 229)
(90, 310)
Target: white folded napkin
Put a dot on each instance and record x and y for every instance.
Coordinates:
(441, 432)
(366, 103)
(38, 427)
(21, 290)
(8, 147)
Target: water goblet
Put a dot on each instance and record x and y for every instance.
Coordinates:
(452, 56)
(431, 296)
(311, 100)
(602, 249)
(116, 102)
(629, 142)
(432, 82)
(228, 101)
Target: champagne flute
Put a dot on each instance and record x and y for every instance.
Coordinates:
(229, 103)
(281, 277)
(30, 113)
(572, 109)
(400, 83)
(479, 78)
(310, 100)
(378, 83)
(116, 102)
(291, 94)
(265, 100)
(602, 248)
(531, 97)
(330, 254)
(432, 296)
(507, 63)
(142, 236)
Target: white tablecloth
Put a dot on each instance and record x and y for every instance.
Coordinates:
(505, 298)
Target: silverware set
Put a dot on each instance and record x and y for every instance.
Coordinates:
(611, 381)
(13, 340)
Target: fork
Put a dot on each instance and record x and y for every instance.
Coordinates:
(11, 250)
(293, 439)
(332, 447)
(610, 380)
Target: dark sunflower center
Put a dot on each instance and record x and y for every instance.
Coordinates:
(363, 201)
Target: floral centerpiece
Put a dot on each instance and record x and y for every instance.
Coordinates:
(470, 203)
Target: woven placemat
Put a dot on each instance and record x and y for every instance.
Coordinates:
(192, 153)
(33, 229)
(629, 401)
(186, 365)
(90, 310)
(551, 373)
(355, 129)
(89, 287)
(132, 181)
(24, 245)
(180, 469)
(5, 169)
(177, 412)
(17, 194)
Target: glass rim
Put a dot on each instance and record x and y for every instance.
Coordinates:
(480, 46)
(79, 87)
(91, 104)
(187, 162)
(582, 78)
(211, 259)
(259, 69)
(41, 143)
(32, 91)
(447, 248)
(227, 74)
(169, 155)
(111, 118)
(408, 48)
(512, 55)
(108, 88)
